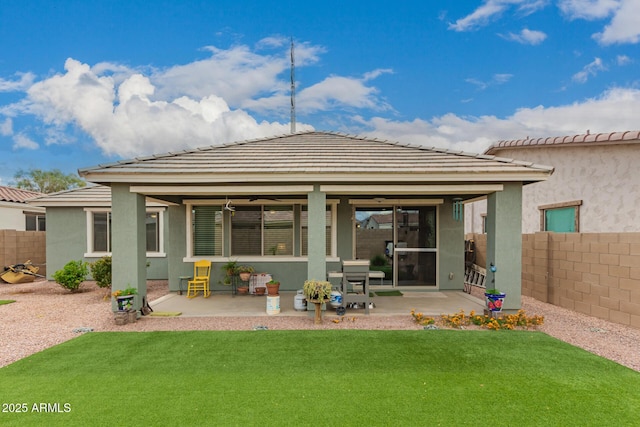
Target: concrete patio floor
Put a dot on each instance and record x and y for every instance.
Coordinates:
(227, 305)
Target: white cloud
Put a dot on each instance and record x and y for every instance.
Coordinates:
(497, 79)
(588, 9)
(589, 70)
(527, 36)
(6, 127)
(23, 141)
(624, 27)
(23, 82)
(131, 112)
(614, 110)
(623, 60)
(491, 10)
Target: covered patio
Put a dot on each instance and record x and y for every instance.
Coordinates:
(297, 206)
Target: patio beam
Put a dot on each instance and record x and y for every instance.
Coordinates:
(411, 189)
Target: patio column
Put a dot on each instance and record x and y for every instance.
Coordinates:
(128, 242)
(504, 243)
(176, 246)
(317, 207)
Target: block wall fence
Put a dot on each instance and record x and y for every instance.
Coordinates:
(597, 274)
(19, 246)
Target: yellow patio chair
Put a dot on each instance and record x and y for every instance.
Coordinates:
(200, 281)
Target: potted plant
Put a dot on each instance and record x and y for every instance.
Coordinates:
(230, 268)
(245, 272)
(124, 297)
(494, 299)
(273, 287)
(317, 292)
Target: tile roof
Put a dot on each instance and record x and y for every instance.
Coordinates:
(89, 196)
(587, 139)
(295, 155)
(16, 195)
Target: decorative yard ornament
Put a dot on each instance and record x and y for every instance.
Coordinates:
(458, 211)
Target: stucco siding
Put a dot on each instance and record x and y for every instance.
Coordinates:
(66, 237)
(67, 240)
(605, 178)
(12, 218)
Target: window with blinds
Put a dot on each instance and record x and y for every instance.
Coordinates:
(207, 230)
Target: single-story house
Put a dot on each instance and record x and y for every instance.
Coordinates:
(595, 187)
(290, 206)
(17, 214)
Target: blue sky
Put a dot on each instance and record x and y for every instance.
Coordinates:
(84, 83)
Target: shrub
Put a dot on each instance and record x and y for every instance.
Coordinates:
(71, 275)
(379, 261)
(101, 271)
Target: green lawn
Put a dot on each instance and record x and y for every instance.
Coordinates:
(333, 377)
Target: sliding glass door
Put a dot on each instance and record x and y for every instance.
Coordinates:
(400, 241)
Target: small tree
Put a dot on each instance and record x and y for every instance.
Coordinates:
(71, 275)
(47, 181)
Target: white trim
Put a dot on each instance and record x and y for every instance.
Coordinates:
(89, 227)
(257, 202)
(411, 189)
(373, 203)
(206, 190)
(103, 254)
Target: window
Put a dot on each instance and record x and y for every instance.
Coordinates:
(262, 230)
(561, 217)
(99, 231)
(206, 229)
(253, 231)
(278, 230)
(35, 222)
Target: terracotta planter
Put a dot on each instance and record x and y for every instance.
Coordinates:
(243, 290)
(273, 289)
(245, 276)
(260, 291)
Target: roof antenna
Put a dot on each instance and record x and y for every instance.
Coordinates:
(293, 90)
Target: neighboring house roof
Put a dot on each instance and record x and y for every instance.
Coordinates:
(16, 195)
(315, 156)
(587, 139)
(89, 196)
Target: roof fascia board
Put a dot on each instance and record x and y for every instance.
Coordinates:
(150, 202)
(474, 176)
(208, 190)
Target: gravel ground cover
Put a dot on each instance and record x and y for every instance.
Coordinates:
(45, 314)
